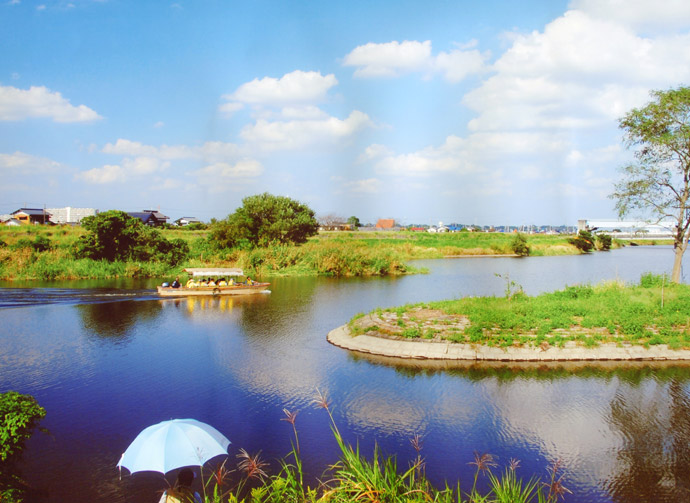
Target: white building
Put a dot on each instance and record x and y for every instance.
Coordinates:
(70, 215)
(631, 228)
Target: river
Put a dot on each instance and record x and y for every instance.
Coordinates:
(107, 359)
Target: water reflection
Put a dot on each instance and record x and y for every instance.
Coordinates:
(620, 428)
(116, 321)
(653, 421)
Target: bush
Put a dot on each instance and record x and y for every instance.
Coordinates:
(649, 280)
(116, 236)
(604, 241)
(519, 245)
(41, 244)
(584, 241)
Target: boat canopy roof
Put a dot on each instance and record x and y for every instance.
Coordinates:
(217, 271)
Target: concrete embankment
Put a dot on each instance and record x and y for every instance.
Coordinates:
(400, 347)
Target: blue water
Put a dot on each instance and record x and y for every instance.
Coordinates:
(108, 360)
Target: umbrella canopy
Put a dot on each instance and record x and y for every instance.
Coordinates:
(173, 444)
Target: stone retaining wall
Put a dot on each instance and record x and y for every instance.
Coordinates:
(444, 350)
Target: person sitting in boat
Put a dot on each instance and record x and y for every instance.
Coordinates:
(203, 282)
(249, 281)
(211, 282)
(222, 282)
(191, 283)
(176, 283)
(231, 282)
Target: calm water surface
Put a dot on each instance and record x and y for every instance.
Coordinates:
(108, 359)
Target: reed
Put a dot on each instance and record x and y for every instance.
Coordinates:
(376, 480)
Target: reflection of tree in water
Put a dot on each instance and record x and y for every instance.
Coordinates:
(653, 418)
(115, 320)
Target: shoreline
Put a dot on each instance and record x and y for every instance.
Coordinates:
(400, 347)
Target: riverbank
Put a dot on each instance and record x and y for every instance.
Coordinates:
(612, 321)
(46, 253)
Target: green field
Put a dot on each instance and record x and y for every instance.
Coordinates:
(38, 252)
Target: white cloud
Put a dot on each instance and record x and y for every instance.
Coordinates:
(392, 59)
(210, 151)
(374, 151)
(224, 162)
(641, 14)
(144, 165)
(231, 107)
(106, 174)
(247, 168)
(581, 72)
(19, 104)
(365, 186)
(297, 87)
(389, 59)
(291, 135)
(224, 176)
(308, 112)
(128, 147)
(23, 164)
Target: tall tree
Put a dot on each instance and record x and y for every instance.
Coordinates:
(658, 182)
(354, 222)
(266, 219)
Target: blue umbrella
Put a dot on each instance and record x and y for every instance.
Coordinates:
(173, 444)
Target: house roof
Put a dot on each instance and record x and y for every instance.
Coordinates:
(143, 216)
(385, 223)
(157, 214)
(32, 211)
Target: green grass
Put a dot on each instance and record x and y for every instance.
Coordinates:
(650, 313)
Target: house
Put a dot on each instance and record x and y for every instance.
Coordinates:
(146, 217)
(70, 215)
(162, 219)
(187, 221)
(11, 222)
(151, 218)
(32, 216)
(385, 224)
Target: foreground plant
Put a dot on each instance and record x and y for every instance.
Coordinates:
(19, 415)
(377, 480)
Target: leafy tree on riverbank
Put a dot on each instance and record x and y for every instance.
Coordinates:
(659, 181)
(115, 235)
(263, 220)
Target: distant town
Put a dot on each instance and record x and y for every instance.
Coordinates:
(154, 218)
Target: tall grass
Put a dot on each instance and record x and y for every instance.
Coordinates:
(23, 253)
(354, 478)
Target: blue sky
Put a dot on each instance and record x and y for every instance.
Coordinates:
(493, 112)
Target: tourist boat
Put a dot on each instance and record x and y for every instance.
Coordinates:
(237, 288)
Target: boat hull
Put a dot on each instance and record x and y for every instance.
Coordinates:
(167, 291)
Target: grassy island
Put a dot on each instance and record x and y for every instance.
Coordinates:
(48, 253)
(653, 312)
